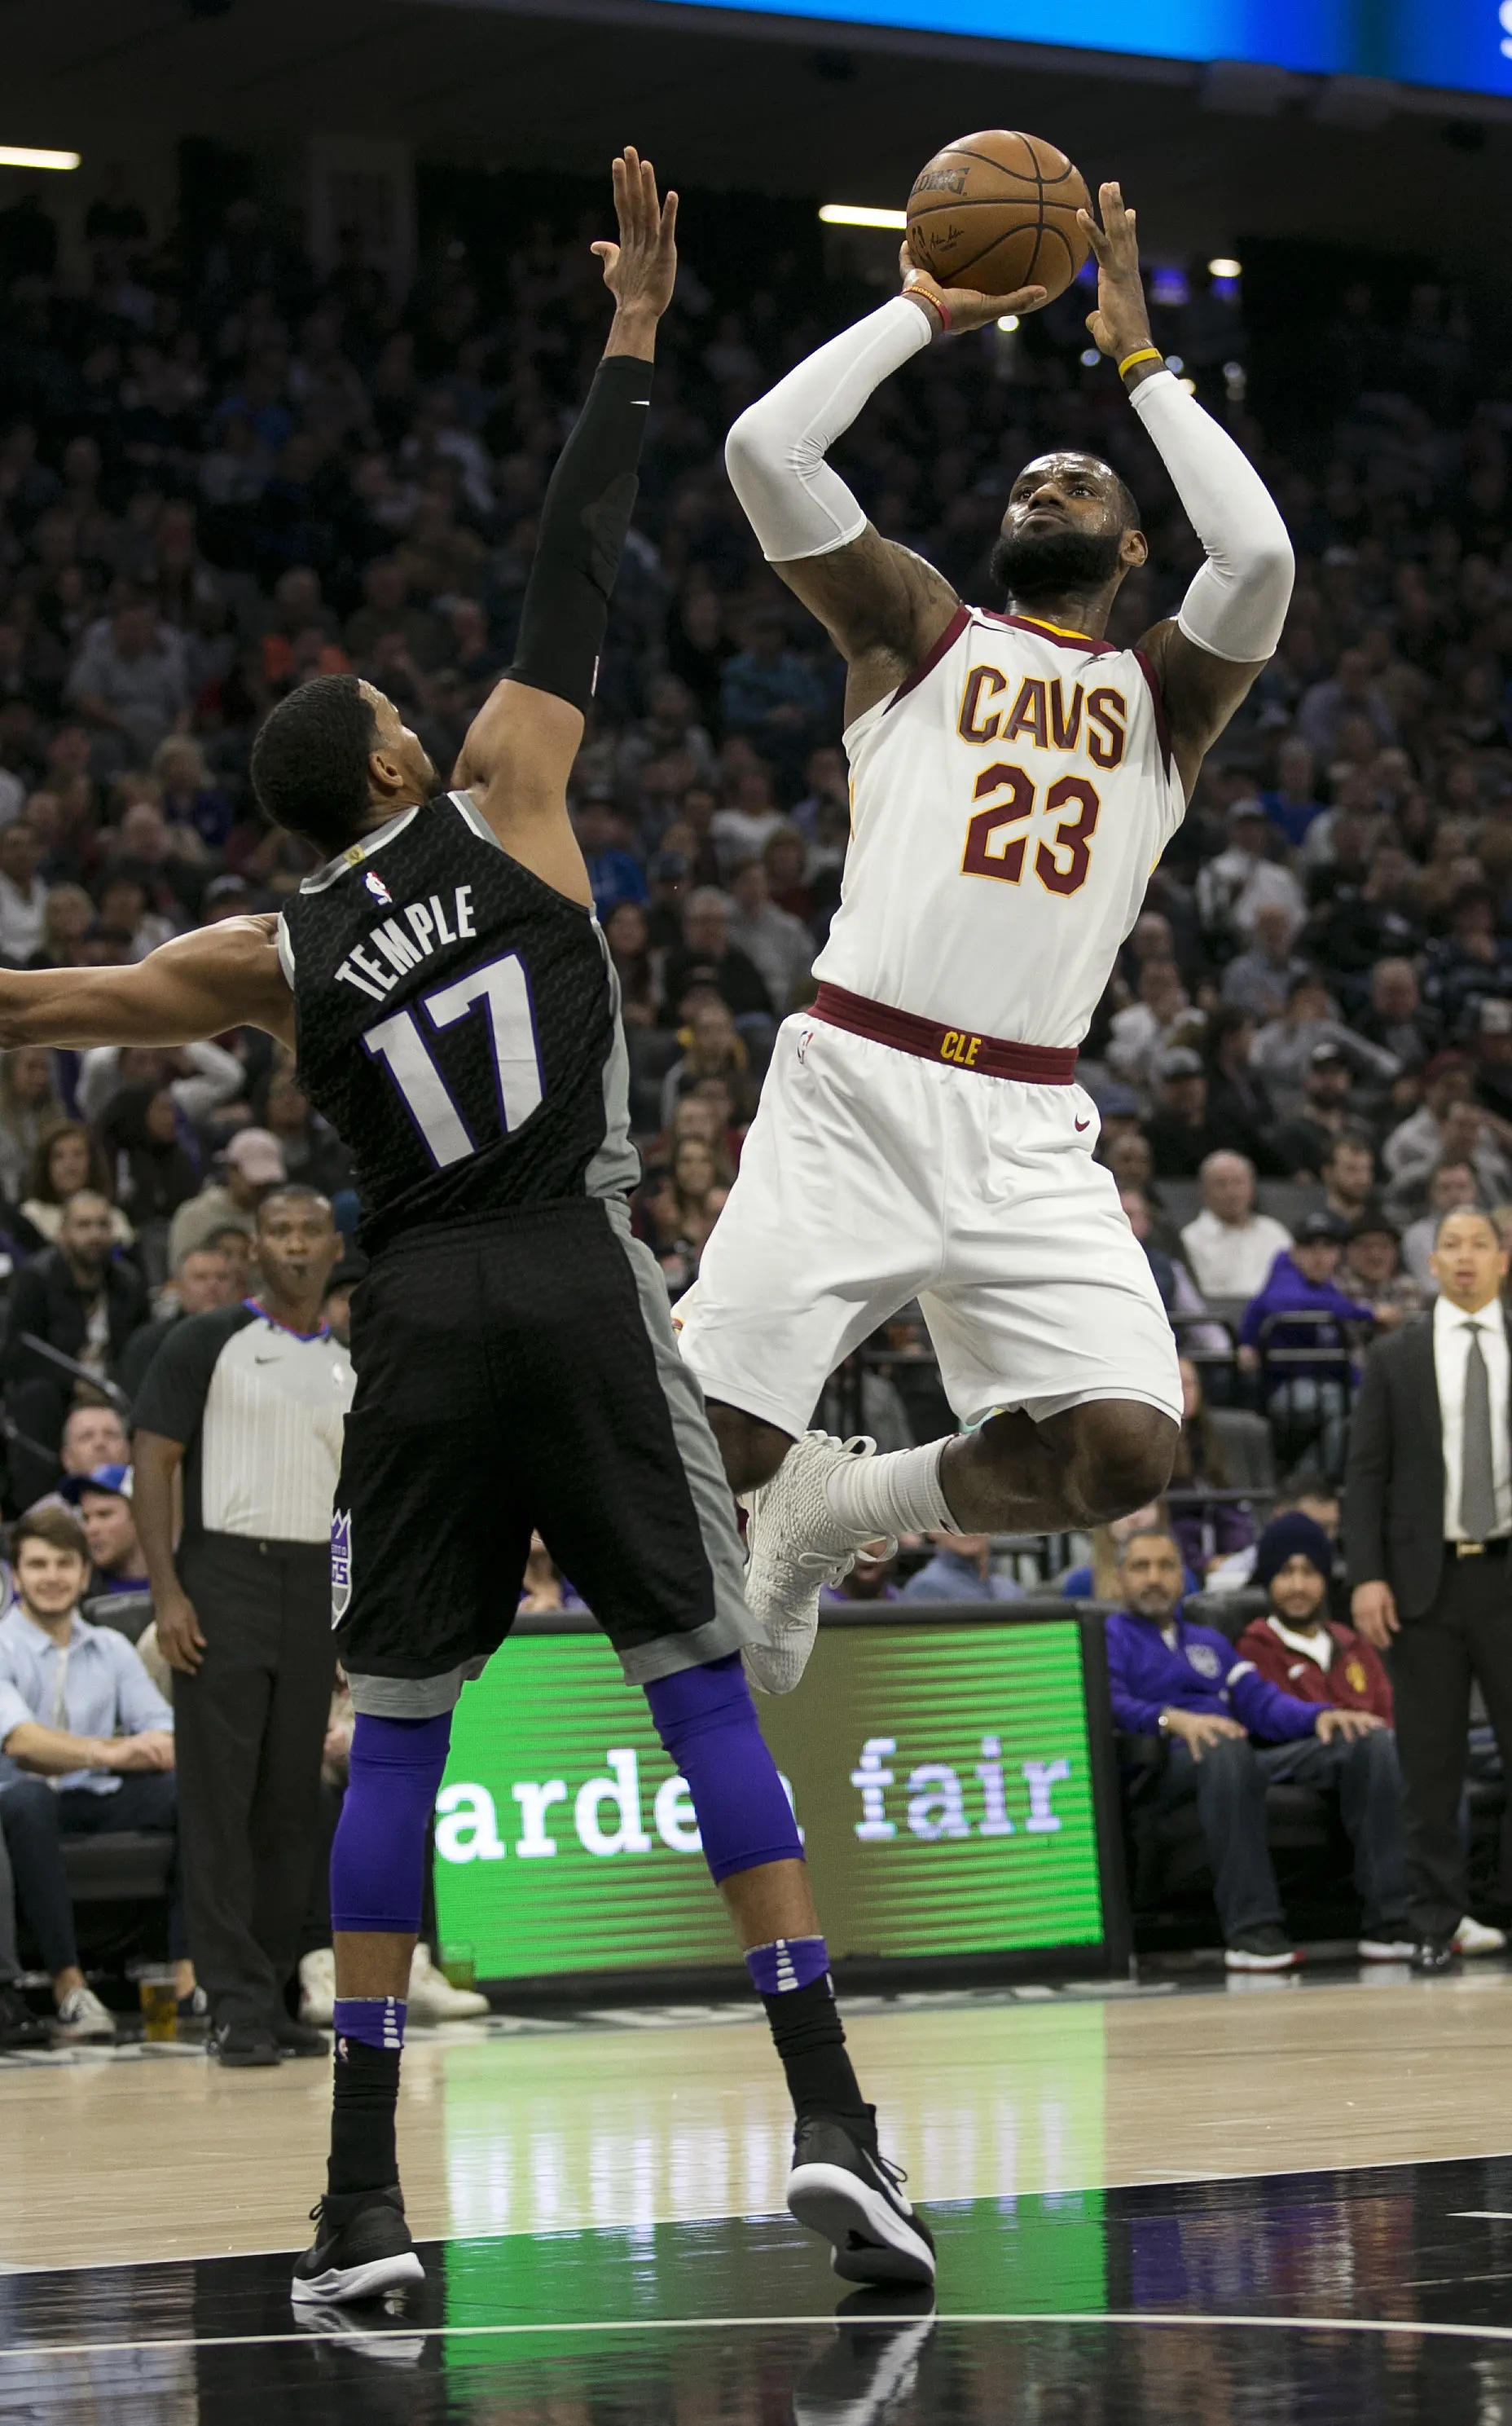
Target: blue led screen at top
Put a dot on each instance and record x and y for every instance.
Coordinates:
(1458, 44)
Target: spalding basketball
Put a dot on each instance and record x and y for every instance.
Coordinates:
(998, 211)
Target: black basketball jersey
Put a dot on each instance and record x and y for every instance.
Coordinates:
(458, 1026)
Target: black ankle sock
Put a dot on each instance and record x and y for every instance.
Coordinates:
(363, 2155)
(811, 2040)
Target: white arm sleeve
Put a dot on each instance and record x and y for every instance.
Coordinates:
(1237, 604)
(795, 505)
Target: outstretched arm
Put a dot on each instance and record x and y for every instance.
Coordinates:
(198, 985)
(883, 606)
(519, 752)
(1231, 619)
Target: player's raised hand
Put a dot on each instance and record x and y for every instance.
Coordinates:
(1121, 324)
(639, 272)
(956, 309)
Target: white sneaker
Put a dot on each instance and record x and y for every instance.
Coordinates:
(317, 1987)
(81, 2016)
(1386, 1949)
(432, 1997)
(795, 1545)
(1473, 1937)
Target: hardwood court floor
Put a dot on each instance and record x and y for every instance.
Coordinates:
(626, 2121)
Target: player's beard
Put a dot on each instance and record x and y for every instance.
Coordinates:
(1047, 563)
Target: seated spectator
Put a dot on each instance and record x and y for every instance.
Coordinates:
(1301, 1651)
(870, 1579)
(1372, 1272)
(769, 692)
(1099, 1578)
(1229, 1247)
(1301, 1144)
(1179, 1137)
(154, 1174)
(1284, 1046)
(30, 1106)
(1310, 1492)
(81, 1299)
(778, 945)
(1395, 1018)
(1306, 1400)
(1144, 1029)
(1471, 963)
(1207, 1530)
(615, 873)
(706, 957)
(627, 933)
(1452, 1185)
(1258, 980)
(1223, 1733)
(128, 681)
(68, 1158)
(87, 1742)
(1348, 1175)
(202, 1282)
(677, 1208)
(1178, 1293)
(1293, 806)
(117, 1592)
(251, 1164)
(712, 1050)
(314, 1154)
(1492, 1058)
(1243, 880)
(23, 894)
(961, 1569)
(744, 826)
(1239, 1106)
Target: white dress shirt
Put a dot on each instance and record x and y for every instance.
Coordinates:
(1450, 1354)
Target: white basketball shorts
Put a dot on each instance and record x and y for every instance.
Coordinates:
(871, 1177)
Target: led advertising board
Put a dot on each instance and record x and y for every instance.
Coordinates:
(943, 1773)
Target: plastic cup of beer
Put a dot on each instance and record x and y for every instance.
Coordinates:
(158, 1991)
(460, 1965)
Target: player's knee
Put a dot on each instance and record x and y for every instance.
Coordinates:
(751, 1450)
(1125, 1454)
(707, 1721)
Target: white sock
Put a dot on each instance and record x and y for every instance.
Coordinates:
(898, 1493)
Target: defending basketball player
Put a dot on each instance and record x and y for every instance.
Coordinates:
(457, 1022)
(921, 1132)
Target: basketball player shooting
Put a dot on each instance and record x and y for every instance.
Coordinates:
(456, 1016)
(1015, 779)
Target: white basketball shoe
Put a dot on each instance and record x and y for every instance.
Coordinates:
(795, 1545)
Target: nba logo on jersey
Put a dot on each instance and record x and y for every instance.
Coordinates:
(379, 889)
(341, 1565)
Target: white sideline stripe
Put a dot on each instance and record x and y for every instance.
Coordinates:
(1393, 2325)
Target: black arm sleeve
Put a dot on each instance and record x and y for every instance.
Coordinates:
(589, 500)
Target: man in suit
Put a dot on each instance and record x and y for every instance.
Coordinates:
(1428, 1524)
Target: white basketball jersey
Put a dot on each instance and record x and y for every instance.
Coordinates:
(1008, 803)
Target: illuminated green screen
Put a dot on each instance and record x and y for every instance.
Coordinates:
(940, 1773)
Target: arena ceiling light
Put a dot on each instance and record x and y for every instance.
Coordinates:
(1224, 266)
(860, 215)
(19, 156)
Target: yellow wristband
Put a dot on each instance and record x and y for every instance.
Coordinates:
(1144, 354)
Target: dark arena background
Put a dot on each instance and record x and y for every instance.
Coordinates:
(297, 312)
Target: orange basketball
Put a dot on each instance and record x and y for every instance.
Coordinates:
(998, 211)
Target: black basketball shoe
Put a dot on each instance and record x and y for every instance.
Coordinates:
(361, 2248)
(853, 2199)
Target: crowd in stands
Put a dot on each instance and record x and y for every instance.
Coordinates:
(221, 472)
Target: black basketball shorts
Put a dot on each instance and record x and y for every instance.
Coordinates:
(514, 1375)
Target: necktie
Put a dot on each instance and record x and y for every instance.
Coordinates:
(1477, 1481)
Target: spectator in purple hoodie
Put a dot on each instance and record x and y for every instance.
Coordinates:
(1301, 1307)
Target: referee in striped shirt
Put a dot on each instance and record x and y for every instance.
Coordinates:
(248, 1404)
